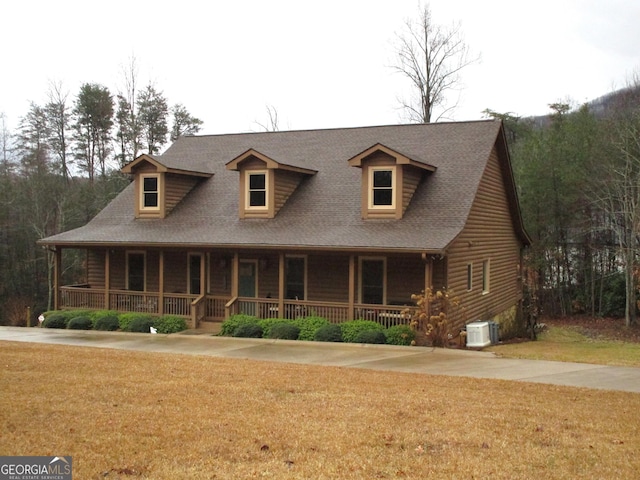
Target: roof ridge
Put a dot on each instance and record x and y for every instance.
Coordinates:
(364, 127)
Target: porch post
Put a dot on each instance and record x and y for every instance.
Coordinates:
(57, 269)
(352, 286)
(428, 279)
(281, 267)
(235, 275)
(107, 277)
(161, 283)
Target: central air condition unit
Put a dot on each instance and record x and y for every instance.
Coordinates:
(478, 334)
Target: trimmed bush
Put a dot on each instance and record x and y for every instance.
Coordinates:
(400, 335)
(107, 323)
(230, 325)
(309, 326)
(371, 336)
(55, 320)
(125, 319)
(329, 333)
(248, 330)
(136, 322)
(80, 323)
(170, 324)
(98, 314)
(268, 323)
(351, 329)
(284, 331)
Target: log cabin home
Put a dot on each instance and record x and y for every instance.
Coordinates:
(340, 223)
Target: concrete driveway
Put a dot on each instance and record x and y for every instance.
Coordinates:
(419, 360)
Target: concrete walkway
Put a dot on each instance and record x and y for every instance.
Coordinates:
(420, 360)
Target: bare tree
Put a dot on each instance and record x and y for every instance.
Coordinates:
(272, 125)
(618, 189)
(58, 117)
(431, 57)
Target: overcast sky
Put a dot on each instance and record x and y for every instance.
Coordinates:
(319, 64)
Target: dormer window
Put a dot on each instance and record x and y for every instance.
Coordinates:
(256, 186)
(158, 188)
(150, 192)
(382, 183)
(389, 180)
(265, 184)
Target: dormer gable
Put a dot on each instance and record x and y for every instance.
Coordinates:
(389, 180)
(158, 188)
(265, 184)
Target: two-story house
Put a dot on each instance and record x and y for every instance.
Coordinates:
(340, 223)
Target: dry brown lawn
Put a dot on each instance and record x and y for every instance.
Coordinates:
(127, 415)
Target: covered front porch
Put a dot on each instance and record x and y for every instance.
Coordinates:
(209, 286)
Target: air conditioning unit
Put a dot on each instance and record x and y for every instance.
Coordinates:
(478, 334)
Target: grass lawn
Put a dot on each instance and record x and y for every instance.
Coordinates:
(599, 341)
(126, 415)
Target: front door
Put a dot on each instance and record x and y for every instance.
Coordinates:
(247, 285)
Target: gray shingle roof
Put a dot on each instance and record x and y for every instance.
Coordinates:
(325, 210)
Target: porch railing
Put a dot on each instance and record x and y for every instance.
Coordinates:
(212, 307)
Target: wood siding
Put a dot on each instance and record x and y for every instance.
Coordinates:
(176, 188)
(488, 236)
(411, 177)
(95, 268)
(285, 184)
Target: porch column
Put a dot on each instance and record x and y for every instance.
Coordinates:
(281, 268)
(352, 286)
(57, 270)
(428, 279)
(107, 277)
(235, 275)
(161, 283)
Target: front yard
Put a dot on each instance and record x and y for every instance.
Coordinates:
(602, 341)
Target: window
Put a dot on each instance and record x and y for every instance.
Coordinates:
(150, 198)
(372, 281)
(485, 276)
(469, 276)
(195, 262)
(257, 190)
(295, 274)
(135, 271)
(381, 181)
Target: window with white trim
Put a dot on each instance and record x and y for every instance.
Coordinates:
(382, 182)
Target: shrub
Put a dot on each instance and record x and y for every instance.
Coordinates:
(170, 324)
(248, 330)
(230, 325)
(329, 333)
(268, 323)
(309, 326)
(98, 314)
(80, 323)
(351, 329)
(136, 322)
(400, 335)
(55, 320)
(284, 331)
(125, 319)
(107, 323)
(371, 336)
